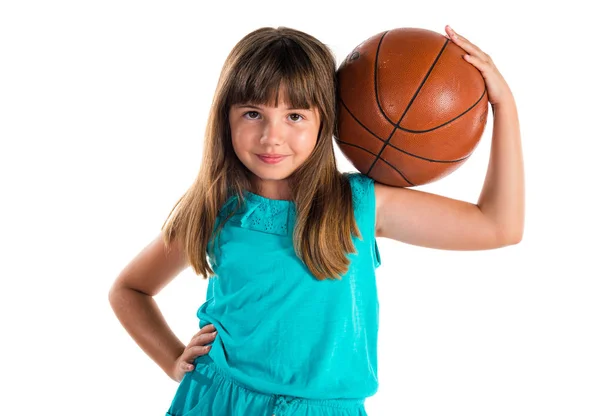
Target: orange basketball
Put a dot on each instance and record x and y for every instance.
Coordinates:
(410, 109)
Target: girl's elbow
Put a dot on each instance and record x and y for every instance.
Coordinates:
(510, 237)
(516, 239)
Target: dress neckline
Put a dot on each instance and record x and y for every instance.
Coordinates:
(260, 198)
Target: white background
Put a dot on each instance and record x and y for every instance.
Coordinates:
(103, 107)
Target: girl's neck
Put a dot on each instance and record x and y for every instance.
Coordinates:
(272, 189)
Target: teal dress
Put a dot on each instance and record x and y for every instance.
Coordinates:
(287, 343)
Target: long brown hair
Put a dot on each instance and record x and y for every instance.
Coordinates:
(258, 65)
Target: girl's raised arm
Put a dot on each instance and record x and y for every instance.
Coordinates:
(497, 220)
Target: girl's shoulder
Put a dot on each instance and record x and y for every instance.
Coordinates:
(362, 189)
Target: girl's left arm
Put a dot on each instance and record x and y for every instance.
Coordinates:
(502, 199)
(497, 220)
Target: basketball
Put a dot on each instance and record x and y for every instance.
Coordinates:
(410, 109)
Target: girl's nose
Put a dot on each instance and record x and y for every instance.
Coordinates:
(272, 134)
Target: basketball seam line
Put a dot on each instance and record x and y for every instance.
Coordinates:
(382, 159)
(375, 81)
(391, 144)
(384, 115)
(449, 121)
(409, 104)
(398, 127)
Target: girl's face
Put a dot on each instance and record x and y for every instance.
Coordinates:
(259, 130)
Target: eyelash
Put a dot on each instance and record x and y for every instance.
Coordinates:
(296, 114)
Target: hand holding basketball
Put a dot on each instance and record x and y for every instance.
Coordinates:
(497, 88)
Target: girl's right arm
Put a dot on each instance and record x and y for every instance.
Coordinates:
(131, 298)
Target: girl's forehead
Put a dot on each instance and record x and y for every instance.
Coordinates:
(272, 97)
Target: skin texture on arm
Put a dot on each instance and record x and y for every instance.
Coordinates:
(497, 220)
(131, 298)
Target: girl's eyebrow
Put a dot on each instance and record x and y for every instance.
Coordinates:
(259, 108)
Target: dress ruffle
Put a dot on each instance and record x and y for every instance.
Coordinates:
(273, 216)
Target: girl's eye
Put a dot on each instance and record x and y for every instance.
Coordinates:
(250, 112)
(300, 117)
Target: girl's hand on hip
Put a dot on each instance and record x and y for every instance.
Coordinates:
(196, 347)
(497, 88)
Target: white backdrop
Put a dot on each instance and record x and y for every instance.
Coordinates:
(103, 107)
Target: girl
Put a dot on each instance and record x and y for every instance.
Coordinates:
(291, 313)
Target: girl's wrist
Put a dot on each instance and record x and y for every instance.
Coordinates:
(507, 100)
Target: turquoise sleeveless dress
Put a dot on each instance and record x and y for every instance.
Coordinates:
(286, 342)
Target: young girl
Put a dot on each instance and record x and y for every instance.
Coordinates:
(291, 311)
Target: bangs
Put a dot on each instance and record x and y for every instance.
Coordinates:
(261, 73)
